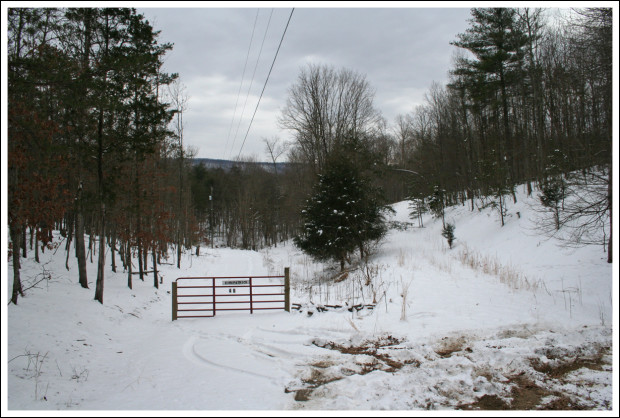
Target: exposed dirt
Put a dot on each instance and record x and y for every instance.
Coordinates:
(323, 372)
(370, 348)
(527, 395)
(560, 367)
(317, 379)
(448, 346)
(547, 384)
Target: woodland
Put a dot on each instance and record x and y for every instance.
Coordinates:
(95, 143)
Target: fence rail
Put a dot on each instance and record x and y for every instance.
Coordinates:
(207, 294)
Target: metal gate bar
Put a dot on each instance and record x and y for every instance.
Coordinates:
(210, 301)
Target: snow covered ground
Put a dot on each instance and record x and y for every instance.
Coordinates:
(505, 319)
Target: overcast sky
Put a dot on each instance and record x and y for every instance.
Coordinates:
(400, 51)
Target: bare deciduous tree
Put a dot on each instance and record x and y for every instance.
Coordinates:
(403, 132)
(275, 148)
(323, 107)
(177, 93)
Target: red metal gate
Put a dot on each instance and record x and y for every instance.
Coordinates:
(202, 297)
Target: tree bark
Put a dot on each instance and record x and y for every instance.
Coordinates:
(36, 245)
(113, 248)
(155, 268)
(128, 261)
(611, 229)
(101, 259)
(80, 248)
(140, 265)
(23, 242)
(16, 235)
(69, 238)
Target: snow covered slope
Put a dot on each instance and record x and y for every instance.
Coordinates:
(505, 319)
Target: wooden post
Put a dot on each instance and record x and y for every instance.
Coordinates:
(175, 305)
(287, 290)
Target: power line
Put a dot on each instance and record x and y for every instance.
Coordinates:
(252, 81)
(241, 85)
(265, 85)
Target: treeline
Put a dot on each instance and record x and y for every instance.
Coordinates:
(95, 145)
(247, 206)
(92, 147)
(528, 101)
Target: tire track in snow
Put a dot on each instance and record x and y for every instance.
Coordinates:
(192, 353)
(273, 355)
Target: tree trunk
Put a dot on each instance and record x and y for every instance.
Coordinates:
(80, 249)
(113, 249)
(501, 207)
(23, 241)
(155, 268)
(145, 254)
(140, 265)
(101, 259)
(611, 229)
(36, 245)
(121, 254)
(69, 226)
(128, 261)
(16, 235)
(179, 249)
(90, 244)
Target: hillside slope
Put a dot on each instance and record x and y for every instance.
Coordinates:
(505, 319)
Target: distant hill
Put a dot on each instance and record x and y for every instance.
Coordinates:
(228, 164)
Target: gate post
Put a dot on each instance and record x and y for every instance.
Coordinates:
(287, 290)
(251, 302)
(175, 305)
(213, 287)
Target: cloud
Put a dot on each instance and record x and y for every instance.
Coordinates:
(400, 102)
(401, 51)
(217, 127)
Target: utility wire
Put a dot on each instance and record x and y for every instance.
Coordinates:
(252, 81)
(264, 86)
(241, 85)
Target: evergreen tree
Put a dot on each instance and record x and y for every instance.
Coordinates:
(344, 214)
(417, 208)
(84, 104)
(498, 42)
(553, 192)
(448, 233)
(436, 203)
(37, 72)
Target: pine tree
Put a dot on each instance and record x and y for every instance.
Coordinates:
(436, 203)
(37, 72)
(553, 192)
(448, 233)
(417, 208)
(498, 43)
(343, 215)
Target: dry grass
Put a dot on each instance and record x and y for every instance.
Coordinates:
(490, 265)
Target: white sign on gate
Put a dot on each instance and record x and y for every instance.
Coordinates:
(236, 282)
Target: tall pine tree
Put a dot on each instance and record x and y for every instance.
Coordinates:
(498, 43)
